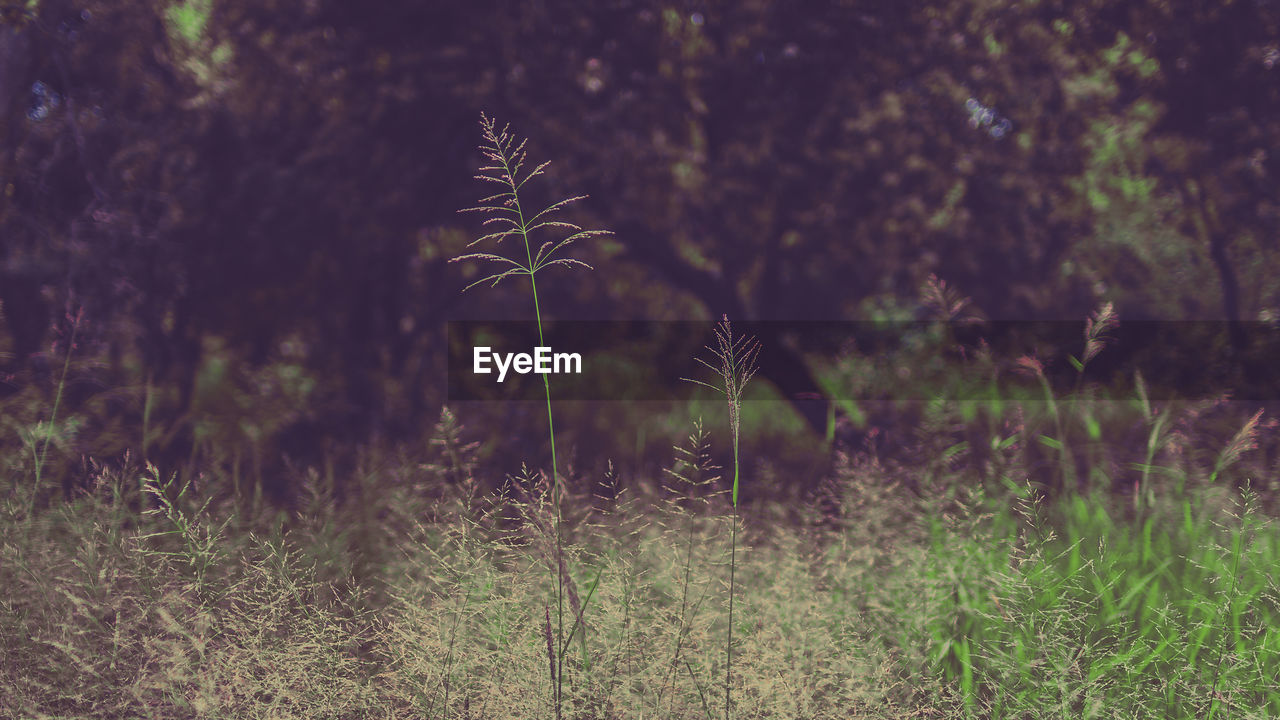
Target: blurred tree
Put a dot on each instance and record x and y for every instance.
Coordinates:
(1180, 173)
(262, 182)
(1214, 143)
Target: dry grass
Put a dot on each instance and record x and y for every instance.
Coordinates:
(883, 606)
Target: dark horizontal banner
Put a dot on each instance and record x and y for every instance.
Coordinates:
(645, 360)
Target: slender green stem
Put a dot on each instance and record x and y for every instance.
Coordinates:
(737, 365)
(146, 419)
(505, 209)
(558, 692)
(684, 617)
(577, 620)
(728, 646)
(53, 416)
(735, 381)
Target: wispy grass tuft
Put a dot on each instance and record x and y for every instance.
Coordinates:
(692, 474)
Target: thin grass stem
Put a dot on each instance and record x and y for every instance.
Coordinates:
(737, 363)
(53, 415)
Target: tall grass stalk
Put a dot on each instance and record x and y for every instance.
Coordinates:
(53, 415)
(506, 214)
(693, 471)
(146, 416)
(1157, 438)
(1096, 327)
(735, 363)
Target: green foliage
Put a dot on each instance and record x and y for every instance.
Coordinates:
(1080, 613)
(188, 19)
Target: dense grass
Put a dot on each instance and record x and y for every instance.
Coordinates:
(427, 599)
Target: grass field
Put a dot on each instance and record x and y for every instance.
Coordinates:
(422, 600)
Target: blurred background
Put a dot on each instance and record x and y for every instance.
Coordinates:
(233, 218)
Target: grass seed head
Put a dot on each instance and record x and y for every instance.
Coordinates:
(735, 362)
(505, 215)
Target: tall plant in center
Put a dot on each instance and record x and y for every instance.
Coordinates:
(735, 361)
(507, 217)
